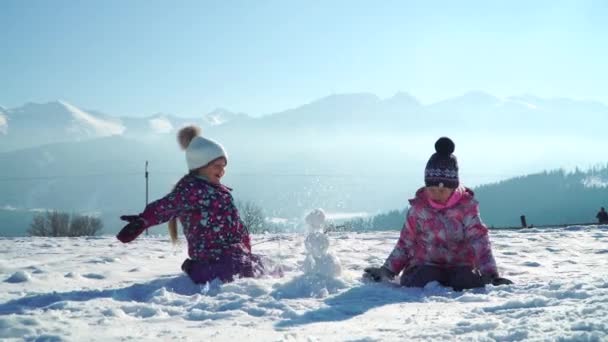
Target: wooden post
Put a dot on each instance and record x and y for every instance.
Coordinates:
(523, 221)
(146, 189)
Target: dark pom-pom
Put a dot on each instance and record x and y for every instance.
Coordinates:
(445, 146)
(186, 134)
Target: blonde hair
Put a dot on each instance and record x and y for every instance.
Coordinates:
(172, 225)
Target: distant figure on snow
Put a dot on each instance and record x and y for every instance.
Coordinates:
(319, 260)
(602, 216)
(443, 238)
(218, 243)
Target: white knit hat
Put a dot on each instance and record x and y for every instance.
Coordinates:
(202, 151)
(199, 151)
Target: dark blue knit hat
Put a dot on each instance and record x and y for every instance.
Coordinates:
(442, 168)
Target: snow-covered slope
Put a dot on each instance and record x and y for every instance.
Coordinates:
(161, 124)
(96, 289)
(595, 182)
(39, 124)
(221, 116)
(3, 123)
(89, 124)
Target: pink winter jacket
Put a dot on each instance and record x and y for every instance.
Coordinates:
(212, 225)
(443, 235)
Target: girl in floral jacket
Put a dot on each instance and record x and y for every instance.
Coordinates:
(218, 242)
(443, 238)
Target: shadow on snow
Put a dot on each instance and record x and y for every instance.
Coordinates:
(137, 292)
(358, 300)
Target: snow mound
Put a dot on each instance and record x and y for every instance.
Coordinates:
(19, 277)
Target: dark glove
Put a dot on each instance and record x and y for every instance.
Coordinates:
(378, 274)
(495, 280)
(130, 218)
(132, 230)
(501, 281)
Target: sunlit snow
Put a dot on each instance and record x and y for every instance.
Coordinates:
(97, 289)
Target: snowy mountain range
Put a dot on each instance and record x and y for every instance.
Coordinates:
(39, 124)
(345, 152)
(35, 124)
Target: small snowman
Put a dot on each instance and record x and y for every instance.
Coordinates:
(319, 261)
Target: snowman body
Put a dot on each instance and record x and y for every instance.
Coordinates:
(319, 260)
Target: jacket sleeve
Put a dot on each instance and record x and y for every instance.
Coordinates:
(401, 256)
(162, 210)
(477, 236)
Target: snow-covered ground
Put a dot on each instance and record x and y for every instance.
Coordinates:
(97, 289)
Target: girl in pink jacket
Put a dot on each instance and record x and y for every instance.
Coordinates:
(443, 238)
(218, 242)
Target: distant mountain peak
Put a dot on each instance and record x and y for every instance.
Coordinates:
(525, 97)
(530, 102)
(478, 95)
(331, 104)
(474, 98)
(220, 110)
(403, 98)
(348, 97)
(160, 115)
(62, 113)
(86, 121)
(160, 123)
(35, 107)
(221, 116)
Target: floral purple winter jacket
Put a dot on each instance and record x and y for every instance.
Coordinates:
(448, 236)
(211, 222)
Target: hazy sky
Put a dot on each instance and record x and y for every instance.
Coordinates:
(188, 57)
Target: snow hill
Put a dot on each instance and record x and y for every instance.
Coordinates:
(96, 289)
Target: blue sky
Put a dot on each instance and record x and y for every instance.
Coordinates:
(189, 57)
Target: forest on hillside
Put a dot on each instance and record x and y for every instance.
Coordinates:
(547, 198)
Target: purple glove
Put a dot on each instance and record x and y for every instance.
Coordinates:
(132, 230)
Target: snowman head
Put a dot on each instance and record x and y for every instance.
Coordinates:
(316, 219)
